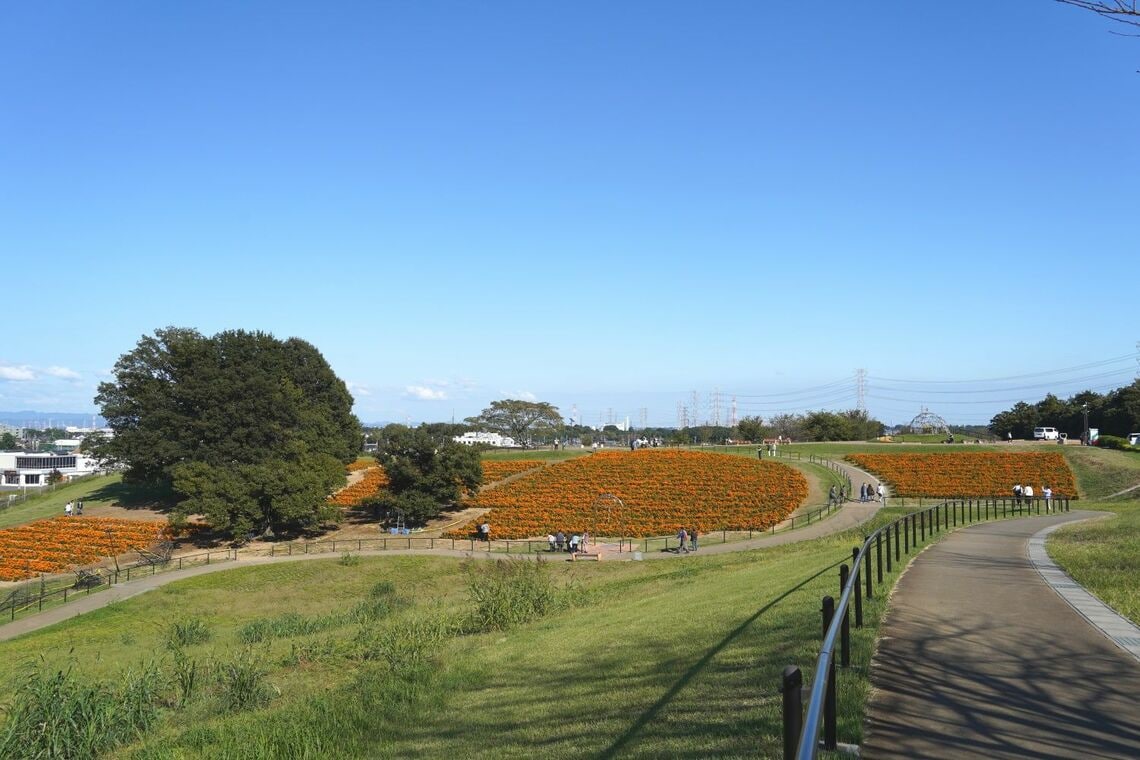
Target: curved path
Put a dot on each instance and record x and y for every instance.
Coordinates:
(979, 657)
(852, 514)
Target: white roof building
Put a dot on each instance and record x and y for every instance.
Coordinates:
(489, 439)
(20, 470)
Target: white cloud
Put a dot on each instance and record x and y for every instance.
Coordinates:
(21, 373)
(519, 395)
(356, 389)
(63, 372)
(424, 393)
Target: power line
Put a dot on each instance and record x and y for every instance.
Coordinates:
(1043, 373)
(1048, 384)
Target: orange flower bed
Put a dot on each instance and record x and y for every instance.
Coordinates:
(374, 481)
(54, 545)
(661, 491)
(969, 474)
(497, 470)
(360, 464)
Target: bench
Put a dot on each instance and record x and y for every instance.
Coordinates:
(586, 555)
(88, 579)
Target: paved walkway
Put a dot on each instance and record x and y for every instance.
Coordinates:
(980, 657)
(849, 516)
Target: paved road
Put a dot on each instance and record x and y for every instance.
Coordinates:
(978, 657)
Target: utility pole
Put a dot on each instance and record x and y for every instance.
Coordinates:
(861, 390)
(1085, 436)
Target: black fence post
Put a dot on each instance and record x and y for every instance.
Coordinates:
(922, 523)
(906, 534)
(845, 628)
(867, 571)
(793, 709)
(879, 556)
(898, 558)
(890, 530)
(830, 728)
(858, 590)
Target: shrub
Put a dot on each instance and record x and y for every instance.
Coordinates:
(242, 681)
(184, 633)
(405, 645)
(1114, 442)
(506, 593)
(57, 714)
(286, 626)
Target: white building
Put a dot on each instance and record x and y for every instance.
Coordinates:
(490, 439)
(20, 470)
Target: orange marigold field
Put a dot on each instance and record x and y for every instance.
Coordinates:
(374, 481)
(970, 474)
(497, 470)
(360, 464)
(54, 545)
(661, 490)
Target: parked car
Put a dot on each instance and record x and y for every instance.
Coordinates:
(1045, 434)
(1134, 439)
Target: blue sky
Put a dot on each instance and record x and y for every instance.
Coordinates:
(603, 205)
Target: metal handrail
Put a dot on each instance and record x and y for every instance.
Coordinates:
(824, 677)
(824, 682)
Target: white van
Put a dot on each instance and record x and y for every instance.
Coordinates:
(1134, 439)
(1045, 434)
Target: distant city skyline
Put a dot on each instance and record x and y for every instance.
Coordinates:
(607, 206)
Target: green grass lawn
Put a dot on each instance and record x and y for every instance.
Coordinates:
(101, 489)
(649, 659)
(1104, 555)
(672, 658)
(1103, 472)
(544, 455)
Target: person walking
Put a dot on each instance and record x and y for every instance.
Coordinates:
(1017, 494)
(693, 539)
(831, 496)
(1047, 492)
(882, 494)
(550, 539)
(67, 509)
(681, 537)
(1027, 492)
(560, 540)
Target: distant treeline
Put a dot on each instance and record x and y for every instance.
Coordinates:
(1115, 413)
(851, 425)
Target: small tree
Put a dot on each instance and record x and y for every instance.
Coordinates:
(426, 474)
(55, 476)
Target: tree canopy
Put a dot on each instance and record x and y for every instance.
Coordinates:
(514, 417)
(251, 431)
(1114, 413)
(427, 472)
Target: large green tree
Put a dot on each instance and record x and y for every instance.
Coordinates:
(239, 419)
(516, 418)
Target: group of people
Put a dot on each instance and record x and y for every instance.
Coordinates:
(687, 540)
(72, 508)
(868, 492)
(1025, 493)
(576, 543)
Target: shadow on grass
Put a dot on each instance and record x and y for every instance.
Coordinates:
(651, 714)
(136, 496)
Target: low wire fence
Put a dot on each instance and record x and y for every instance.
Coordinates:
(50, 591)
